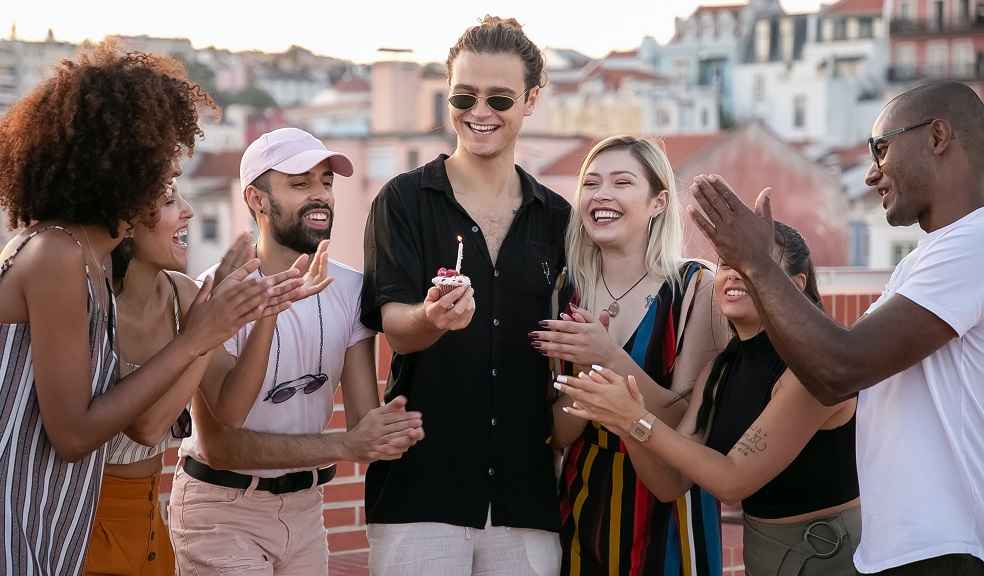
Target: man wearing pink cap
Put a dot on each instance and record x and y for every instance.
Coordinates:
(278, 378)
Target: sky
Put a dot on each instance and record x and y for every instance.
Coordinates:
(354, 29)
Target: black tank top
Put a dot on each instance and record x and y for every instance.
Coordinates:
(824, 474)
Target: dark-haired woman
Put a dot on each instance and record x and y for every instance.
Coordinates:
(129, 535)
(83, 154)
(752, 434)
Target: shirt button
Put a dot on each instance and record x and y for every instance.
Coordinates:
(494, 371)
(474, 228)
(493, 421)
(491, 471)
(495, 321)
(495, 273)
(151, 556)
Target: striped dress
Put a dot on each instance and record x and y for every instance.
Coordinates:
(48, 503)
(611, 523)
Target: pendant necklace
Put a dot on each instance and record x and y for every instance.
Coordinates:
(614, 307)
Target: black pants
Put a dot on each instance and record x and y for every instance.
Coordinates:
(949, 565)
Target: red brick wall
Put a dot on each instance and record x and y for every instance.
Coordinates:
(343, 507)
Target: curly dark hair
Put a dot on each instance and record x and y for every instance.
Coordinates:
(96, 143)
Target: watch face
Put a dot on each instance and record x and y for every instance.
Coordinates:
(641, 429)
(639, 432)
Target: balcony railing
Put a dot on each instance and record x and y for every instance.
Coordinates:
(907, 27)
(909, 74)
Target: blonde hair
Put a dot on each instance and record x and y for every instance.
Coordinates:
(664, 252)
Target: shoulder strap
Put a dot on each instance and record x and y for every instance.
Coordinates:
(177, 302)
(9, 260)
(692, 270)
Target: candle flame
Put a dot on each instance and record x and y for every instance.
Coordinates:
(459, 238)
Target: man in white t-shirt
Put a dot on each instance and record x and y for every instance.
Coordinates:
(916, 359)
(278, 380)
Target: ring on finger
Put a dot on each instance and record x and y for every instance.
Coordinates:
(451, 306)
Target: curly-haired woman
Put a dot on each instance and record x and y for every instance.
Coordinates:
(82, 155)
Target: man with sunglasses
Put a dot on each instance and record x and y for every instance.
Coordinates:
(916, 358)
(479, 494)
(277, 382)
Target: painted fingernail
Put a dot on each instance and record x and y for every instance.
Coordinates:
(562, 379)
(582, 375)
(566, 409)
(596, 368)
(537, 345)
(543, 323)
(559, 386)
(565, 317)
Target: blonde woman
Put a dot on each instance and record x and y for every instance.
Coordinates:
(643, 308)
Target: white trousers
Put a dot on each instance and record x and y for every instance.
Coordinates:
(434, 549)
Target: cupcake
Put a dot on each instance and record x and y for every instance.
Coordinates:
(448, 279)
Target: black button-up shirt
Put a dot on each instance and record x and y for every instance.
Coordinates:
(483, 390)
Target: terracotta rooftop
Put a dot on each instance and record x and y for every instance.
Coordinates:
(623, 54)
(716, 8)
(852, 7)
(352, 84)
(218, 165)
(680, 149)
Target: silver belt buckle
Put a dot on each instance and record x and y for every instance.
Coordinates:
(823, 538)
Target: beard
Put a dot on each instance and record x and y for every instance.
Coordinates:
(293, 234)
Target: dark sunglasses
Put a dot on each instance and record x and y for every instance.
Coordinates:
(285, 390)
(499, 102)
(182, 426)
(879, 146)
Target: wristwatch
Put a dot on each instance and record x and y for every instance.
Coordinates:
(643, 427)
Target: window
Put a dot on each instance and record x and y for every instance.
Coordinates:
(853, 29)
(866, 27)
(440, 107)
(979, 18)
(762, 38)
(964, 59)
(786, 34)
(210, 229)
(900, 250)
(860, 242)
(662, 117)
(825, 30)
(413, 158)
(905, 11)
(965, 12)
(704, 118)
(840, 29)
(905, 57)
(799, 111)
(758, 87)
(937, 58)
(383, 163)
(936, 21)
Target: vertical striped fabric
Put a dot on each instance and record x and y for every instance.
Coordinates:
(48, 503)
(611, 523)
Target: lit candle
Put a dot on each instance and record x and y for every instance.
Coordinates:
(457, 265)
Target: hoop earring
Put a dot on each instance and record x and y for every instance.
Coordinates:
(652, 224)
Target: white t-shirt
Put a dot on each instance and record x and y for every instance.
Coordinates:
(300, 354)
(920, 433)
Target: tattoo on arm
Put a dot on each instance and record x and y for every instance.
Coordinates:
(752, 441)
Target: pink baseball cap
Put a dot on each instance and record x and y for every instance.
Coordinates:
(288, 150)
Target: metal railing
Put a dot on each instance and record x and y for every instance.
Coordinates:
(904, 26)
